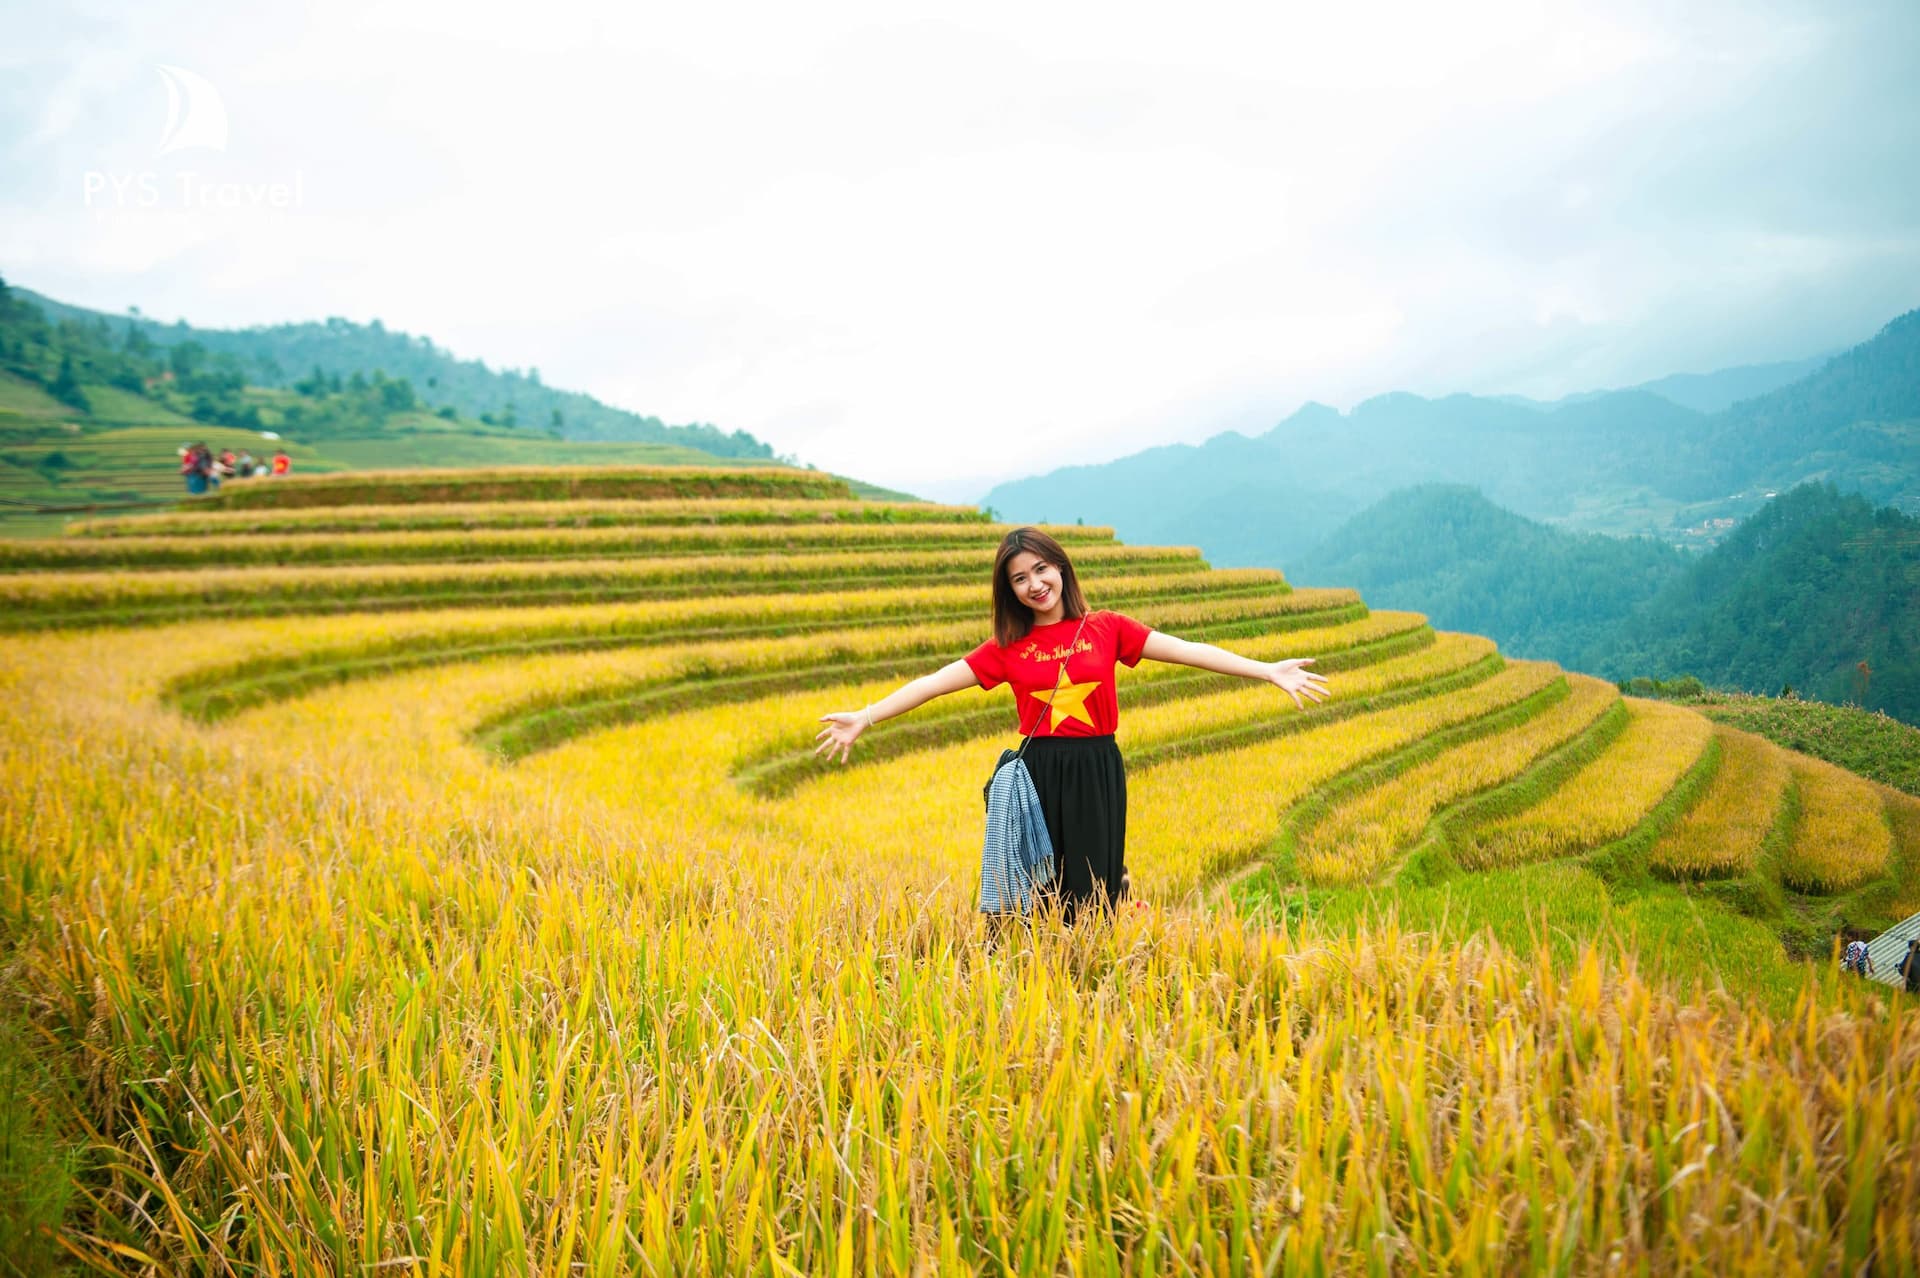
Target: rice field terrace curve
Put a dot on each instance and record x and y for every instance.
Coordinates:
(54, 601)
(745, 671)
(487, 544)
(530, 938)
(267, 662)
(831, 659)
(430, 517)
(1375, 681)
(526, 483)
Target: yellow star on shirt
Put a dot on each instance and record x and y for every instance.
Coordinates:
(1068, 701)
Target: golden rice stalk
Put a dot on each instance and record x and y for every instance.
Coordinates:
(254, 550)
(79, 592)
(424, 516)
(1724, 831)
(1604, 800)
(1360, 836)
(361, 1001)
(223, 652)
(1842, 839)
(528, 483)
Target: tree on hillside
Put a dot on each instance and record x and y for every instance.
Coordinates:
(185, 360)
(65, 386)
(397, 396)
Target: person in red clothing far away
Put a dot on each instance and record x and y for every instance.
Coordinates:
(1066, 699)
(281, 462)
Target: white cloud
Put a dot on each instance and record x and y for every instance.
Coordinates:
(933, 251)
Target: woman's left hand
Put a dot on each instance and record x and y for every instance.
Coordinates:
(1296, 682)
(842, 730)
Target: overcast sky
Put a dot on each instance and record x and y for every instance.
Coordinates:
(935, 248)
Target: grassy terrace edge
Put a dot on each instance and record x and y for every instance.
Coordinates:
(776, 773)
(283, 550)
(1281, 854)
(530, 728)
(533, 583)
(526, 483)
(218, 691)
(578, 514)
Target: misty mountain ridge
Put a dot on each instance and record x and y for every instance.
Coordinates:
(1702, 392)
(1622, 462)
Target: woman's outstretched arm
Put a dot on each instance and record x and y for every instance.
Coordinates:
(1289, 676)
(845, 726)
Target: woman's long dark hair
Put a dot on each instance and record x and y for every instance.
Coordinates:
(1013, 619)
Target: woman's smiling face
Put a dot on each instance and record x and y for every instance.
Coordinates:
(1036, 583)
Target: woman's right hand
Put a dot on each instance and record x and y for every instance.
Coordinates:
(843, 729)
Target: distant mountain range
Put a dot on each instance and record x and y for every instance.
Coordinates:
(1702, 392)
(1623, 462)
(282, 355)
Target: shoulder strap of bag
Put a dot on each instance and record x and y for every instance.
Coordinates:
(1056, 680)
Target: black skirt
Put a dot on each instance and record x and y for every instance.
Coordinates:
(1082, 784)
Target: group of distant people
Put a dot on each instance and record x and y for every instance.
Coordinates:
(203, 471)
(1858, 959)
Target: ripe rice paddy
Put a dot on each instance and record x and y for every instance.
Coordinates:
(519, 936)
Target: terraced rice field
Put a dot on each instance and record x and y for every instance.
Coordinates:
(450, 888)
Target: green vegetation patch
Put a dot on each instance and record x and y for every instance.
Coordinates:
(21, 398)
(1868, 742)
(1679, 936)
(453, 449)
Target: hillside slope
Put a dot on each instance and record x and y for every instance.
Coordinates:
(1854, 423)
(92, 412)
(1537, 591)
(282, 355)
(1867, 743)
(1816, 591)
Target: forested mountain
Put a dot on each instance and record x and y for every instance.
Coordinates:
(337, 350)
(1621, 462)
(1856, 423)
(1725, 387)
(1819, 590)
(1447, 551)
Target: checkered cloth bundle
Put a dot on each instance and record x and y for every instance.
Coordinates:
(1016, 859)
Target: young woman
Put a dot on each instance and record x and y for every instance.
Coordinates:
(1066, 699)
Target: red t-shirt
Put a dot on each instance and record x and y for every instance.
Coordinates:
(1076, 702)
